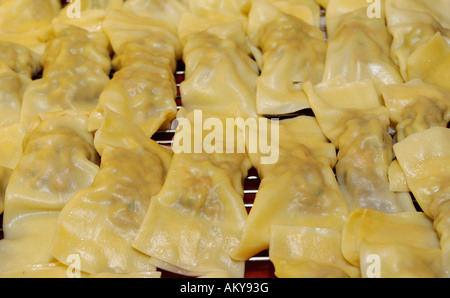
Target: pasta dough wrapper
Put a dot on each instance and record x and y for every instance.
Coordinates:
(358, 46)
(20, 59)
(196, 221)
(58, 160)
(76, 68)
(221, 11)
(358, 128)
(143, 88)
(212, 58)
(306, 10)
(424, 158)
(421, 34)
(416, 106)
(288, 45)
(19, 22)
(308, 252)
(298, 190)
(12, 88)
(405, 238)
(100, 223)
(297, 194)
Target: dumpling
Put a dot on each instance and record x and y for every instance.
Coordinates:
(100, 222)
(143, 88)
(58, 160)
(297, 193)
(76, 69)
(20, 59)
(421, 35)
(12, 88)
(416, 106)
(17, 67)
(215, 56)
(306, 10)
(223, 11)
(172, 10)
(425, 160)
(288, 46)
(309, 252)
(358, 46)
(19, 22)
(392, 245)
(196, 221)
(358, 127)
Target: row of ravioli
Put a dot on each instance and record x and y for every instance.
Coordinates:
(86, 186)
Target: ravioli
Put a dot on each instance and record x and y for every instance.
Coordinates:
(297, 193)
(12, 88)
(143, 88)
(195, 222)
(424, 158)
(416, 106)
(76, 68)
(58, 160)
(212, 57)
(358, 46)
(19, 22)
(100, 222)
(308, 252)
(359, 129)
(17, 67)
(222, 11)
(421, 34)
(20, 59)
(392, 245)
(288, 45)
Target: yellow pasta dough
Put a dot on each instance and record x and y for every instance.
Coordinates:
(100, 222)
(143, 88)
(358, 128)
(424, 158)
(288, 46)
(392, 245)
(416, 106)
(196, 221)
(76, 67)
(297, 194)
(358, 46)
(17, 66)
(19, 22)
(308, 252)
(421, 34)
(58, 160)
(213, 57)
(305, 158)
